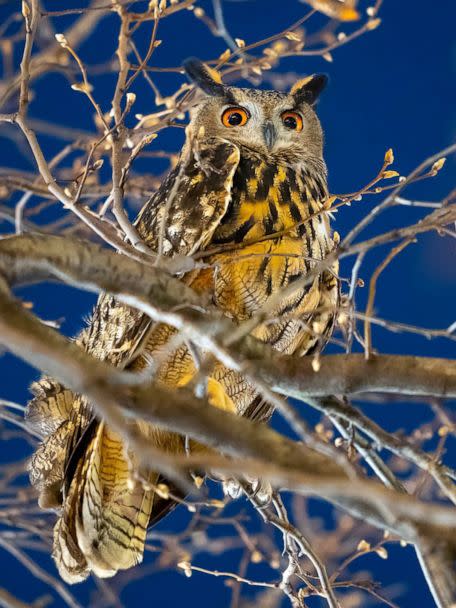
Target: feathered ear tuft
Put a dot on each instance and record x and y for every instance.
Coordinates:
(206, 78)
(308, 89)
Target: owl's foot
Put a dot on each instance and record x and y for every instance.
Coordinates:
(232, 488)
(261, 490)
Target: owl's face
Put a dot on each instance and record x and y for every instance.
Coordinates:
(279, 126)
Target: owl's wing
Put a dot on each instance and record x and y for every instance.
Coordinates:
(80, 457)
(183, 215)
(61, 417)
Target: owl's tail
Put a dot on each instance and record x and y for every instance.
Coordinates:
(105, 513)
(82, 468)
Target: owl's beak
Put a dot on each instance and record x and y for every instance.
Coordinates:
(269, 134)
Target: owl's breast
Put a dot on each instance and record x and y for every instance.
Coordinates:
(245, 279)
(273, 233)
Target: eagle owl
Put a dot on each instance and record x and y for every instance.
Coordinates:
(249, 190)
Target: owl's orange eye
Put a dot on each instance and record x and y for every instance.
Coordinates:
(292, 121)
(235, 117)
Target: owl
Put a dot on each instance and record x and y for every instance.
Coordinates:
(248, 195)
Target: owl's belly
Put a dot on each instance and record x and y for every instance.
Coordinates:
(245, 279)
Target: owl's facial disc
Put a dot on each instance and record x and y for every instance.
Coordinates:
(280, 125)
(266, 127)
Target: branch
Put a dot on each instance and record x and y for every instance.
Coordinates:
(264, 453)
(34, 258)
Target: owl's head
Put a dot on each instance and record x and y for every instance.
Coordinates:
(281, 126)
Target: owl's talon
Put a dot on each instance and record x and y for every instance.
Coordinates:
(232, 488)
(262, 491)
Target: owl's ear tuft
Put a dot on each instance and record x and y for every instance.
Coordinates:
(206, 78)
(308, 89)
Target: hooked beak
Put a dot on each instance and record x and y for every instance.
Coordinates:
(269, 134)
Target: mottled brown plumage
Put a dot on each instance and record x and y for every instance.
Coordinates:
(249, 191)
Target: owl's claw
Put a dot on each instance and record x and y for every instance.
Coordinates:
(232, 488)
(261, 489)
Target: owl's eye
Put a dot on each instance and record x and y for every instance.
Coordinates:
(235, 117)
(292, 121)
